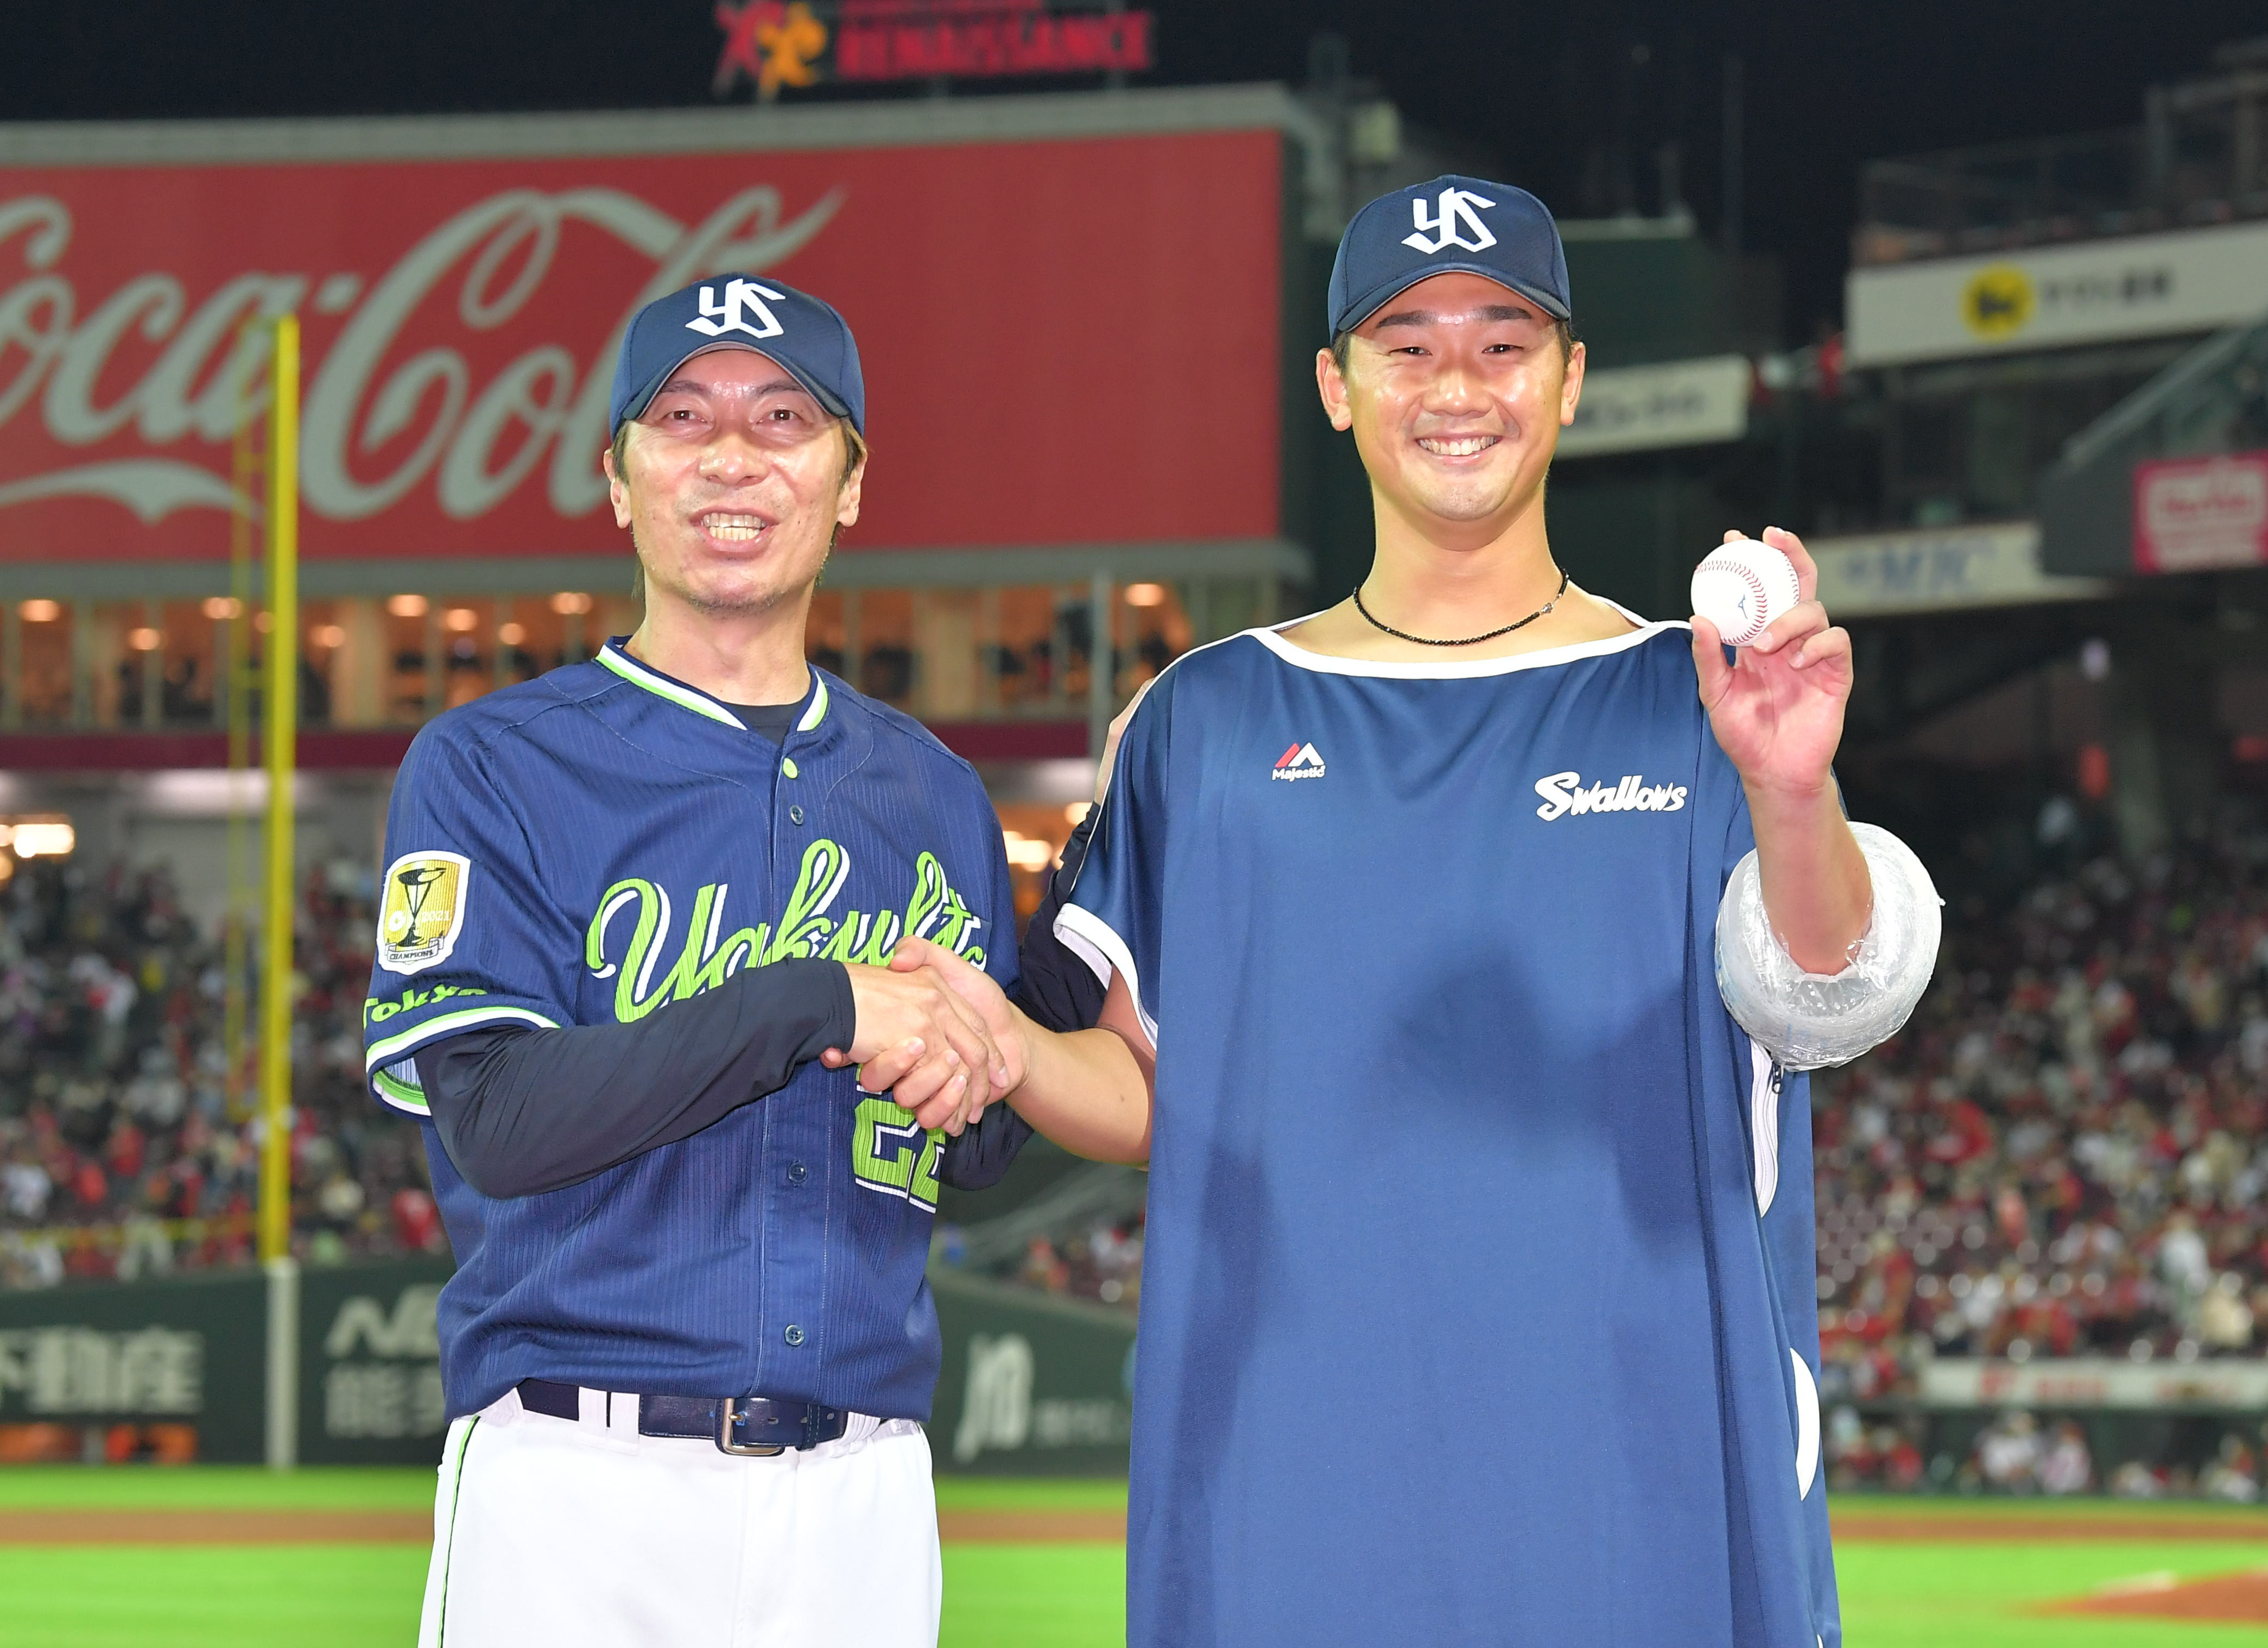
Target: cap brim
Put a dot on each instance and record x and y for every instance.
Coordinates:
(643, 398)
(1371, 302)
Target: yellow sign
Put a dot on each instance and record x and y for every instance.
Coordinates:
(423, 911)
(1999, 300)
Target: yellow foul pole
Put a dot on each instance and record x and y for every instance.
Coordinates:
(236, 687)
(280, 714)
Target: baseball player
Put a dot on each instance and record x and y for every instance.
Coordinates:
(627, 907)
(1461, 942)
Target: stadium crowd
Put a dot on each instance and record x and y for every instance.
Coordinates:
(2064, 1153)
(1101, 1262)
(122, 1152)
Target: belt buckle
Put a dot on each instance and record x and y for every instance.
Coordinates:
(730, 1417)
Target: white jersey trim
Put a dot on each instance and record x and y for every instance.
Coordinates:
(686, 697)
(1092, 938)
(393, 1048)
(1273, 638)
(1764, 1123)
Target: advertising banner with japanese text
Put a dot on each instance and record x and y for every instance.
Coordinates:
(1065, 341)
(2144, 285)
(2198, 515)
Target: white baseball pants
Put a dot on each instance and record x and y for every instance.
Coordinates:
(585, 1534)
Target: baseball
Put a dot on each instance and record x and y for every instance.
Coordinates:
(1743, 587)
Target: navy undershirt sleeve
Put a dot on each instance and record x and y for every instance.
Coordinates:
(522, 1110)
(1057, 990)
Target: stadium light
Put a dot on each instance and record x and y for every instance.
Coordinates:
(41, 838)
(1027, 852)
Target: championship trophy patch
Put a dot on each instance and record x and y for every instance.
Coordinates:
(423, 911)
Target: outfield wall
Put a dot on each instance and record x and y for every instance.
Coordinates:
(175, 1368)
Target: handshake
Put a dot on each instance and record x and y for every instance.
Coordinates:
(933, 1032)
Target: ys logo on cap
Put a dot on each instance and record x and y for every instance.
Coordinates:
(423, 910)
(717, 319)
(1453, 217)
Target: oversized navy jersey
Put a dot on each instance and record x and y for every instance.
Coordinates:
(1475, 1306)
(588, 848)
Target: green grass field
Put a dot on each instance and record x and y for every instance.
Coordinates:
(1921, 1594)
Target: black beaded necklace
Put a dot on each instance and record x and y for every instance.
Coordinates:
(1474, 641)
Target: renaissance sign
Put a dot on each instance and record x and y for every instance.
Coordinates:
(799, 43)
(461, 319)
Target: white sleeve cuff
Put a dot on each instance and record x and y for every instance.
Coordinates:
(1806, 1020)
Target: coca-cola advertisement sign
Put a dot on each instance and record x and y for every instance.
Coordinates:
(1065, 341)
(2194, 514)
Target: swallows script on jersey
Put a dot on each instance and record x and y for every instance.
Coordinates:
(1565, 792)
(809, 927)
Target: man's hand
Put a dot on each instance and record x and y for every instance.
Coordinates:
(912, 1023)
(1087, 1089)
(1777, 708)
(1778, 713)
(912, 1081)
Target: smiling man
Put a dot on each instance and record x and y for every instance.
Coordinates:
(1475, 1306)
(638, 912)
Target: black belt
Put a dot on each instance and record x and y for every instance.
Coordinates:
(736, 1425)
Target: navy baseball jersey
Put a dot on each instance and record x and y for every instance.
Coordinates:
(1475, 1307)
(588, 848)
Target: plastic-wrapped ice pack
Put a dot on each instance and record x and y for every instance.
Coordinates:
(1808, 1020)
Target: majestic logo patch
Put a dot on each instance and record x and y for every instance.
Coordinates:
(726, 316)
(1566, 792)
(423, 911)
(1301, 761)
(1452, 218)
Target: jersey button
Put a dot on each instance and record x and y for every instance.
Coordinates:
(794, 1334)
(796, 1172)
(795, 815)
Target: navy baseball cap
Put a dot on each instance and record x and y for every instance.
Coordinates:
(799, 331)
(1465, 224)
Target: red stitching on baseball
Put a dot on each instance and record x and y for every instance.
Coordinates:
(1755, 583)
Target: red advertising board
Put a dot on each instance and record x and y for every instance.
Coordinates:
(1065, 341)
(2194, 514)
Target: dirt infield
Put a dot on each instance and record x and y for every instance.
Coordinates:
(416, 1527)
(108, 1527)
(1873, 1524)
(973, 1527)
(2239, 1598)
